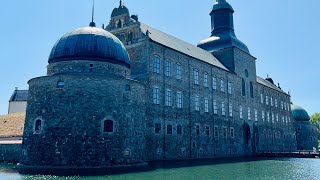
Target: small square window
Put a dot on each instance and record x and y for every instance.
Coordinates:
(157, 128)
(60, 84)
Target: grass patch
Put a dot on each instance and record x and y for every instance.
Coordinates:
(12, 124)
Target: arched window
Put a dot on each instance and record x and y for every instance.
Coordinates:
(108, 126)
(130, 37)
(243, 88)
(37, 126)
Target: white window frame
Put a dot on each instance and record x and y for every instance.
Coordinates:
(230, 110)
(168, 98)
(206, 105)
(229, 87)
(276, 102)
(215, 107)
(256, 115)
(268, 117)
(222, 88)
(271, 101)
(223, 109)
(262, 97)
(196, 76)
(263, 116)
(168, 68)
(214, 82)
(241, 112)
(249, 113)
(156, 64)
(156, 95)
(179, 100)
(267, 100)
(179, 71)
(196, 103)
(205, 80)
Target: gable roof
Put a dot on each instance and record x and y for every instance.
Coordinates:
(269, 85)
(181, 46)
(19, 95)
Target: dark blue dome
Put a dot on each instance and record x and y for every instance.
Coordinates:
(90, 43)
(120, 11)
(299, 114)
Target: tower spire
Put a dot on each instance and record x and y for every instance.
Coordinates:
(92, 23)
(120, 3)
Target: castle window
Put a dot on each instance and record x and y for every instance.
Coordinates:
(214, 83)
(272, 117)
(241, 113)
(276, 102)
(285, 106)
(311, 139)
(127, 88)
(224, 132)
(119, 23)
(108, 126)
(38, 126)
(168, 98)
(256, 115)
(222, 85)
(215, 107)
(168, 69)
(179, 71)
(90, 66)
(268, 117)
(261, 98)
(156, 65)
(196, 103)
(277, 118)
(196, 76)
(156, 95)
(246, 72)
(230, 110)
(130, 37)
(207, 131)
(267, 100)
(232, 132)
(157, 128)
(251, 89)
(169, 129)
(229, 87)
(282, 119)
(179, 100)
(197, 129)
(281, 104)
(243, 87)
(206, 105)
(216, 131)
(271, 101)
(263, 116)
(205, 79)
(223, 109)
(179, 129)
(60, 84)
(249, 113)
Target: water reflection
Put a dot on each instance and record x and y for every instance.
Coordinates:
(265, 169)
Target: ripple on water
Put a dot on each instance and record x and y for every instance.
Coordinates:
(264, 169)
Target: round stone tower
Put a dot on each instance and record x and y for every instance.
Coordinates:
(86, 115)
(307, 134)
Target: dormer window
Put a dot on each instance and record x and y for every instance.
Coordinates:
(119, 23)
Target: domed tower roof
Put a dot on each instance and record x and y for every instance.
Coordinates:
(222, 29)
(120, 10)
(222, 4)
(90, 43)
(299, 114)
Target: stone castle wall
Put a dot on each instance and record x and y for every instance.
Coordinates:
(72, 121)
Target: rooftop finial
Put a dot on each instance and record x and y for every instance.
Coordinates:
(120, 3)
(92, 23)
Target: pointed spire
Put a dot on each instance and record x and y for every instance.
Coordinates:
(120, 3)
(92, 23)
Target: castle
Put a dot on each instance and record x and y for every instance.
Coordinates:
(130, 94)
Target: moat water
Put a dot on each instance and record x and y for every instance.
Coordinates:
(268, 169)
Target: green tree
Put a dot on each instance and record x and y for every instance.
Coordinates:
(315, 120)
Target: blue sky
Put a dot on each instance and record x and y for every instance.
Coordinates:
(283, 35)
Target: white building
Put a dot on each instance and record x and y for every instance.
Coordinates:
(18, 101)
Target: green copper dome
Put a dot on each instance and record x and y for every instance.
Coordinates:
(299, 114)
